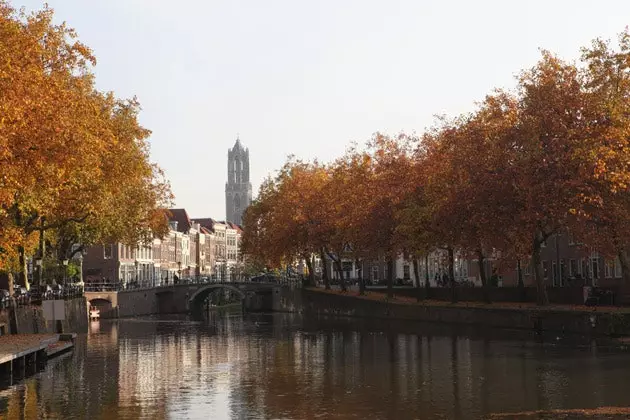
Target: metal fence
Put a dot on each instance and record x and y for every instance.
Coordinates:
(117, 287)
(37, 294)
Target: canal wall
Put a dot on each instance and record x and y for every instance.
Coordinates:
(30, 319)
(318, 303)
(172, 300)
(561, 295)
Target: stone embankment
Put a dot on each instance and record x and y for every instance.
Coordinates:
(597, 321)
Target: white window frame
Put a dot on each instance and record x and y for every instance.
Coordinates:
(594, 272)
(406, 272)
(111, 251)
(609, 268)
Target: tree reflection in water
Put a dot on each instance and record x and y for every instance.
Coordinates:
(285, 366)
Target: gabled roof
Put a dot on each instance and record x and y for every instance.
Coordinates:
(206, 222)
(205, 231)
(234, 226)
(181, 217)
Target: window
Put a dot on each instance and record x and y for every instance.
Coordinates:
(545, 265)
(375, 272)
(528, 269)
(595, 267)
(609, 269)
(108, 251)
(617, 268)
(465, 269)
(406, 272)
(584, 268)
(573, 268)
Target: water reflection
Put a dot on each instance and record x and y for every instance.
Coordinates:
(282, 366)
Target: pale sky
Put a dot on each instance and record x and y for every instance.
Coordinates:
(309, 77)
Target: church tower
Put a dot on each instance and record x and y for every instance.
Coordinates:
(238, 189)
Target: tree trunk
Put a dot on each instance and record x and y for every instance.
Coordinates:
(361, 280)
(521, 283)
(390, 277)
(541, 290)
(623, 261)
(23, 275)
(325, 270)
(416, 275)
(10, 282)
(427, 281)
(451, 273)
(42, 253)
(625, 266)
(342, 280)
(311, 274)
(482, 273)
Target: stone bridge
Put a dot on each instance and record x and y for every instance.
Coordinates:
(180, 298)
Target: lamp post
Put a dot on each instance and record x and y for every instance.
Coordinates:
(38, 263)
(179, 271)
(65, 270)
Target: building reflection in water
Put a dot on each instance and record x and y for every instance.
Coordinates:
(282, 366)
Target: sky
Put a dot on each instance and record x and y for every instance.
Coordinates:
(308, 78)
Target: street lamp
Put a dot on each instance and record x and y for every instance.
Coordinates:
(38, 263)
(65, 270)
(179, 270)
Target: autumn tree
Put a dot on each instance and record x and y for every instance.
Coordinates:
(606, 212)
(70, 154)
(284, 222)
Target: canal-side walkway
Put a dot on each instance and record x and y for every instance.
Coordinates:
(19, 351)
(406, 300)
(575, 319)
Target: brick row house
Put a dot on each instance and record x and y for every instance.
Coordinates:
(565, 263)
(193, 248)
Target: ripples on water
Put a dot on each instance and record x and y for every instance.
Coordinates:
(285, 367)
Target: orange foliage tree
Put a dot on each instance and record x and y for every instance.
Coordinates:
(497, 183)
(74, 159)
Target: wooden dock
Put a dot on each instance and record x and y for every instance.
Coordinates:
(22, 353)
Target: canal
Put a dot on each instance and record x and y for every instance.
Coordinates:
(284, 367)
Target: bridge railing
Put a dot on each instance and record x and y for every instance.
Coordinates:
(151, 284)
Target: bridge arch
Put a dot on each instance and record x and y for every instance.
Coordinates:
(197, 298)
(102, 304)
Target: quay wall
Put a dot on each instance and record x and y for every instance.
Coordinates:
(598, 322)
(29, 319)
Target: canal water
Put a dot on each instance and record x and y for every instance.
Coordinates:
(282, 366)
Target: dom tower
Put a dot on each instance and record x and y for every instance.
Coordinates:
(238, 189)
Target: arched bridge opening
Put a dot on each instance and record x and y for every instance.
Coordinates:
(196, 302)
(101, 304)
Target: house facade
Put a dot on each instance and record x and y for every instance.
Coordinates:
(201, 248)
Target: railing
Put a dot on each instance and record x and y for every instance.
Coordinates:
(118, 287)
(34, 297)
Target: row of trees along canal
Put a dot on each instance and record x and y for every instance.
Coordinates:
(552, 155)
(74, 161)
